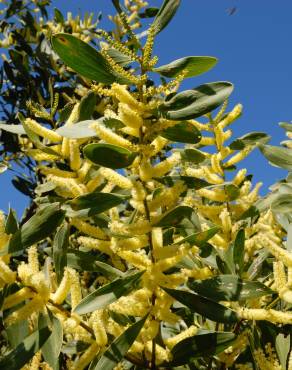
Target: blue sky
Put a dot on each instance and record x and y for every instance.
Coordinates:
(254, 51)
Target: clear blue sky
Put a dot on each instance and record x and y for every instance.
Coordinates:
(255, 53)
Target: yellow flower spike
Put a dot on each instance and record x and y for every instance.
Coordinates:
(239, 177)
(140, 227)
(70, 185)
(253, 195)
(40, 156)
(35, 362)
(231, 117)
(238, 157)
(83, 170)
(161, 354)
(75, 160)
(61, 293)
(148, 48)
(16, 298)
(131, 131)
(221, 112)
(211, 177)
(145, 170)
(206, 140)
(6, 274)
(33, 260)
(132, 243)
(110, 137)
(56, 171)
(98, 324)
(216, 166)
(158, 144)
(88, 229)
(217, 195)
(103, 246)
(42, 131)
(115, 178)
(279, 275)
(165, 166)
(226, 221)
(157, 238)
(34, 306)
(129, 116)
(167, 263)
(124, 96)
(94, 182)
(75, 289)
(168, 196)
(139, 260)
(172, 341)
(200, 274)
(86, 357)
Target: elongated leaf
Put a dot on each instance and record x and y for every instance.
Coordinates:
(17, 332)
(87, 106)
(93, 203)
(183, 132)
(14, 129)
(119, 347)
(282, 203)
(60, 246)
(201, 345)
(85, 262)
(108, 294)
(25, 351)
(193, 156)
(204, 306)
(84, 59)
(79, 130)
(280, 157)
(52, 347)
(201, 237)
(37, 228)
(175, 216)
(195, 65)
(108, 155)
(250, 139)
(229, 288)
(190, 182)
(238, 251)
(165, 14)
(194, 103)
(11, 224)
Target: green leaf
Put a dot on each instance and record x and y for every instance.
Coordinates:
(38, 227)
(85, 262)
(165, 14)
(250, 139)
(25, 351)
(84, 59)
(229, 288)
(195, 65)
(197, 102)
(204, 306)
(280, 157)
(119, 347)
(282, 203)
(87, 106)
(94, 203)
(201, 345)
(287, 126)
(174, 216)
(52, 347)
(60, 246)
(118, 57)
(201, 237)
(17, 332)
(193, 155)
(14, 129)
(182, 132)
(238, 251)
(108, 155)
(190, 182)
(283, 348)
(11, 224)
(108, 294)
(58, 16)
(232, 191)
